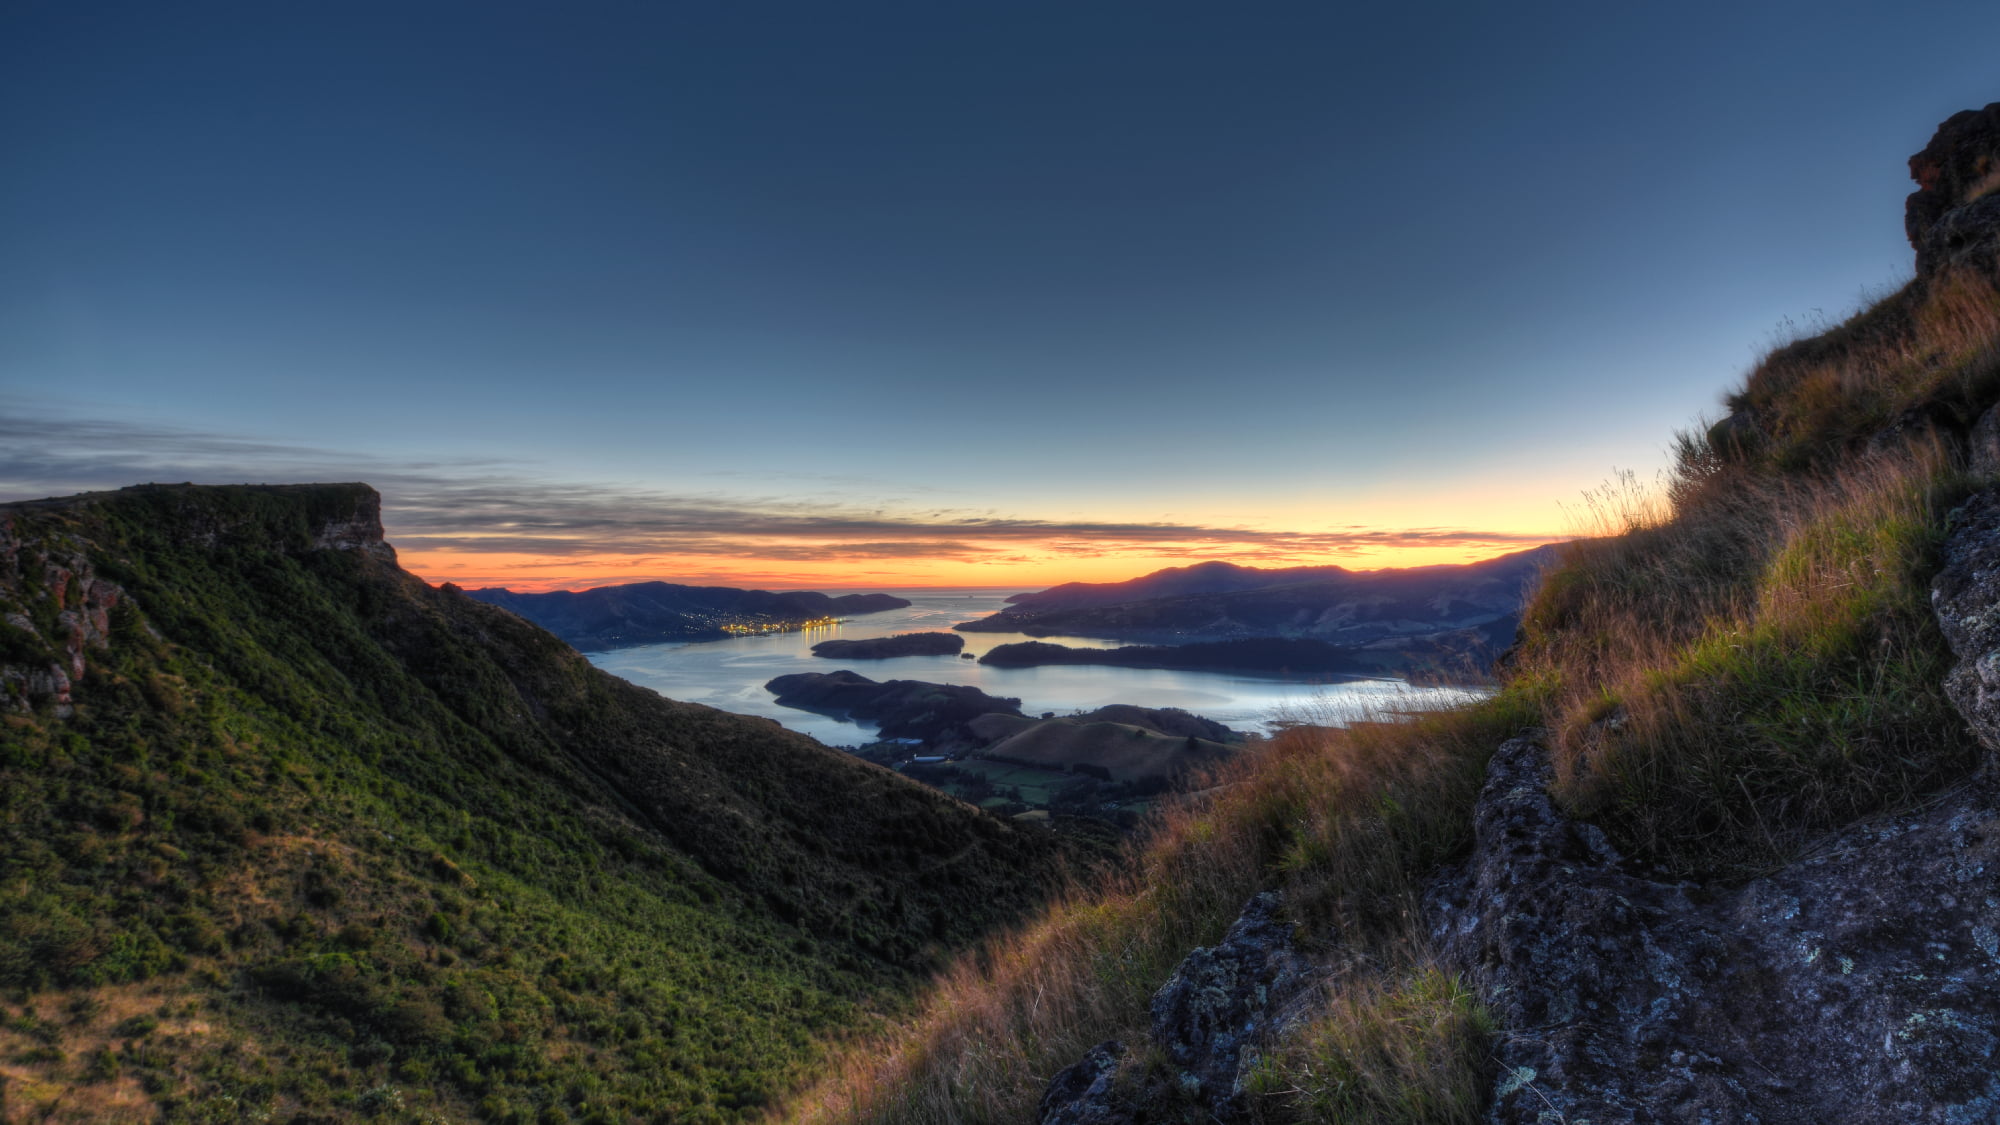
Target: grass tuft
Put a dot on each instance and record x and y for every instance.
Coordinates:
(1403, 1049)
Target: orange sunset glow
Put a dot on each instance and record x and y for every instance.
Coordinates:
(1019, 566)
(571, 540)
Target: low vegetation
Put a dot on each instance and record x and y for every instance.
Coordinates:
(1725, 668)
(321, 843)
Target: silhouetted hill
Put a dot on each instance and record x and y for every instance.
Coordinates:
(884, 648)
(316, 841)
(1434, 616)
(644, 613)
(1266, 655)
(1174, 582)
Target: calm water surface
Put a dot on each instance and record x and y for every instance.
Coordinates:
(731, 674)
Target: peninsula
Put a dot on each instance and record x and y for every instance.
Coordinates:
(645, 613)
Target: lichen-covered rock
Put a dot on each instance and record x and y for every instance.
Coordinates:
(1965, 595)
(1861, 984)
(1222, 1001)
(1595, 973)
(1982, 444)
(1082, 1094)
(1222, 1004)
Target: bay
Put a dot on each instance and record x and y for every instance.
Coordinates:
(730, 674)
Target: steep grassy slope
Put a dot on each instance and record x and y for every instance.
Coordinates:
(286, 834)
(1727, 671)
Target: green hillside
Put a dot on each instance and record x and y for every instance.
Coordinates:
(288, 835)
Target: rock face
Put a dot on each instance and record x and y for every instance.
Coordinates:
(1603, 966)
(1224, 1001)
(358, 530)
(1221, 1005)
(57, 584)
(1966, 597)
(1954, 215)
(1861, 984)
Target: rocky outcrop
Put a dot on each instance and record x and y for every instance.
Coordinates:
(1861, 984)
(1086, 1092)
(1966, 598)
(65, 613)
(1227, 1000)
(1954, 215)
(1222, 1005)
(359, 529)
(1594, 973)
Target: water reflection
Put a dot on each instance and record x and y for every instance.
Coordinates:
(731, 674)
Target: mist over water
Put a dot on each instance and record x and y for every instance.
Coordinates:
(731, 674)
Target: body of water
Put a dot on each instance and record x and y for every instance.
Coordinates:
(730, 674)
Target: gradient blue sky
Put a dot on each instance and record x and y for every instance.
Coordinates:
(869, 294)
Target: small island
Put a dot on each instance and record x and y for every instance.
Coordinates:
(931, 713)
(1267, 656)
(884, 648)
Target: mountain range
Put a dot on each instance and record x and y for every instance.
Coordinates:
(1392, 619)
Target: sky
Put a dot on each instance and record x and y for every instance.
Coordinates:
(868, 295)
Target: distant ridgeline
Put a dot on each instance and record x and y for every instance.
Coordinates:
(1445, 618)
(645, 613)
(288, 834)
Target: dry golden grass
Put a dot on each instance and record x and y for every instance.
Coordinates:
(1344, 820)
(1756, 668)
(60, 1054)
(1400, 1048)
(1932, 345)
